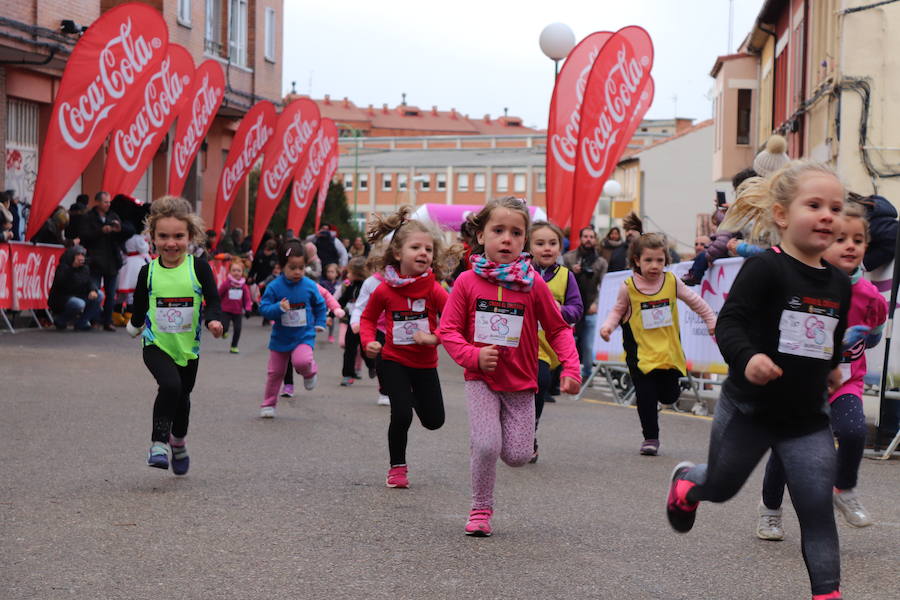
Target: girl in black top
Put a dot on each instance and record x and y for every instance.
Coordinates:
(780, 332)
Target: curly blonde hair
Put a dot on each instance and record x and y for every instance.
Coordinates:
(175, 207)
(399, 226)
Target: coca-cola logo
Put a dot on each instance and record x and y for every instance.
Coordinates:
(203, 107)
(162, 92)
(4, 271)
(318, 152)
(120, 63)
(564, 147)
(257, 137)
(295, 137)
(29, 278)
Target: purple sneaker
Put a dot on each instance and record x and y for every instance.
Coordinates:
(650, 447)
(158, 456)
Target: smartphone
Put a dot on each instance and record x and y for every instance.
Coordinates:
(720, 198)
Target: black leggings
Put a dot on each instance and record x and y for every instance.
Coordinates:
(172, 409)
(352, 345)
(236, 319)
(849, 425)
(410, 388)
(737, 444)
(657, 386)
(544, 379)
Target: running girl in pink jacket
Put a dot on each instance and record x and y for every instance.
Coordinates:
(490, 327)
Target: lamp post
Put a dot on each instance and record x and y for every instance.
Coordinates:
(556, 41)
(611, 190)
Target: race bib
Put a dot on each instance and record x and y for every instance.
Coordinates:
(498, 322)
(656, 314)
(295, 317)
(174, 315)
(235, 293)
(806, 334)
(406, 324)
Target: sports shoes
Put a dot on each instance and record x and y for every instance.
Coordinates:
(347, 381)
(769, 526)
(835, 595)
(158, 456)
(848, 504)
(650, 447)
(372, 373)
(396, 477)
(287, 391)
(681, 513)
(224, 335)
(267, 412)
(383, 400)
(534, 456)
(479, 523)
(310, 384)
(691, 280)
(181, 462)
(234, 350)
(330, 339)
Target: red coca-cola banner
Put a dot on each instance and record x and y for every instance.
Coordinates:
(324, 183)
(294, 133)
(247, 146)
(194, 121)
(6, 287)
(106, 68)
(615, 101)
(137, 136)
(308, 175)
(30, 270)
(565, 124)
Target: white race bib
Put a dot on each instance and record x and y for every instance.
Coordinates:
(498, 322)
(295, 317)
(656, 314)
(406, 324)
(235, 293)
(806, 334)
(174, 315)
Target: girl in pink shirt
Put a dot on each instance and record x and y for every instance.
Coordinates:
(235, 298)
(489, 326)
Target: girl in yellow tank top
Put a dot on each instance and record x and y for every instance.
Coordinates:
(647, 308)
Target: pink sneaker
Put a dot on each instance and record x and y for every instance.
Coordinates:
(396, 477)
(330, 339)
(479, 524)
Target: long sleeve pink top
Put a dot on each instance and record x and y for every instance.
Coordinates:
(621, 310)
(517, 368)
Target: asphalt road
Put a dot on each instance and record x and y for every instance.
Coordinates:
(296, 507)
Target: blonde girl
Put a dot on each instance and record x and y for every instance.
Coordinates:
(168, 311)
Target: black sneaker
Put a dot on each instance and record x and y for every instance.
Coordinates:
(681, 513)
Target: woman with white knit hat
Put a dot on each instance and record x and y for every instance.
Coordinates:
(772, 158)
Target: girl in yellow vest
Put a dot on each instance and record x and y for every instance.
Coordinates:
(647, 308)
(168, 310)
(545, 243)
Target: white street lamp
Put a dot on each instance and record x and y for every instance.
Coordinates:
(612, 189)
(556, 41)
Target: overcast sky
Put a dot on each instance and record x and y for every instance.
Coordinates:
(480, 56)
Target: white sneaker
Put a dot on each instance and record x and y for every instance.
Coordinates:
(769, 526)
(267, 412)
(848, 504)
(310, 384)
(383, 400)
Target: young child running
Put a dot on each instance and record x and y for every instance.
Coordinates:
(489, 327)
(411, 299)
(235, 297)
(545, 240)
(369, 286)
(647, 308)
(296, 307)
(780, 332)
(168, 312)
(330, 282)
(865, 322)
(356, 274)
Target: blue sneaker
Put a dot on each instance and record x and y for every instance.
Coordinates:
(158, 456)
(180, 461)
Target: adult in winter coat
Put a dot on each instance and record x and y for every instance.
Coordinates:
(73, 294)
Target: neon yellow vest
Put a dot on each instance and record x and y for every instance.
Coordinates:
(173, 316)
(558, 285)
(658, 345)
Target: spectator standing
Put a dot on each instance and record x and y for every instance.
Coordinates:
(589, 268)
(73, 294)
(76, 214)
(99, 234)
(329, 248)
(53, 231)
(358, 248)
(18, 222)
(611, 241)
(6, 218)
(618, 260)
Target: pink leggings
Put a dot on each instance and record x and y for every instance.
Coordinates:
(501, 425)
(303, 361)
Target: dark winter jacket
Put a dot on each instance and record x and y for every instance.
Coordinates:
(882, 217)
(103, 248)
(70, 281)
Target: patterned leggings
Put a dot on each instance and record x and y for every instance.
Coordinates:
(501, 425)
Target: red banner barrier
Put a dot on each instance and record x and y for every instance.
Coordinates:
(151, 113)
(324, 183)
(294, 132)
(106, 68)
(26, 274)
(308, 175)
(5, 277)
(194, 121)
(249, 143)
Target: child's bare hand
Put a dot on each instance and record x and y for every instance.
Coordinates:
(711, 331)
(760, 370)
(328, 322)
(354, 327)
(569, 385)
(215, 328)
(424, 338)
(372, 349)
(285, 305)
(732, 246)
(834, 380)
(488, 357)
(605, 333)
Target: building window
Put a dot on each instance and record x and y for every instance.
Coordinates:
(212, 42)
(386, 182)
(402, 179)
(503, 182)
(184, 12)
(348, 181)
(479, 182)
(237, 32)
(441, 182)
(462, 182)
(270, 34)
(542, 182)
(363, 182)
(519, 182)
(425, 184)
(743, 116)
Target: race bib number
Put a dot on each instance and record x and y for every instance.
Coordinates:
(656, 314)
(498, 322)
(806, 334)
(235, 293)
(295, 317)
(406, 324)
(174, 315)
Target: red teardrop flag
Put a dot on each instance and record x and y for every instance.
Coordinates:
(308, 175)
(324, 182)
